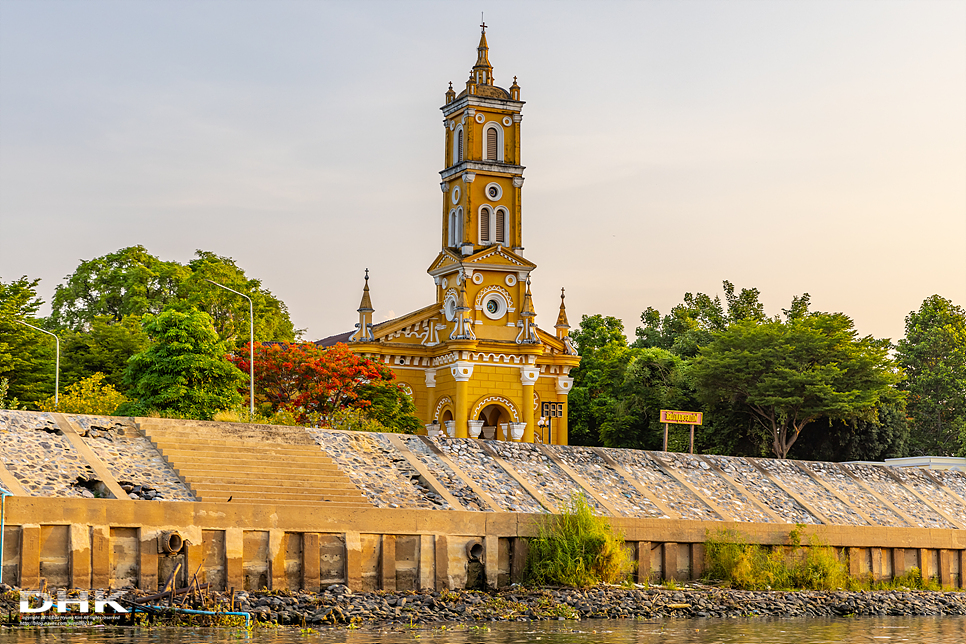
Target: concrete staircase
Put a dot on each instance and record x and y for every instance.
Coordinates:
(264, 464)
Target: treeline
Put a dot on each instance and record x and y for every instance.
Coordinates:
(143, 336)
(801, 385)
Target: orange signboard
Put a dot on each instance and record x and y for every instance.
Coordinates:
(681, 417)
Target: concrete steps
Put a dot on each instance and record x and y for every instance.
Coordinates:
(252, 464)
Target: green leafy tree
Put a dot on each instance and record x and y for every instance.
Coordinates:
(88, 396)
(184, 372)
(104, 348)
(392, 407)
(130, 281)
(133, 282)
(228, 311)
(790, 374)
(27, 357)
(933, 354)
(885, 436)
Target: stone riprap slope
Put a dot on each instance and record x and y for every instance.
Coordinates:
(204, 461)
(36, 453)
(134, 462)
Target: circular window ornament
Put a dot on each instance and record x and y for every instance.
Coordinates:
(456, 194)
(507, 121)
(445, 282)
(452, 125)
(493, 191)
(449, 308)
(480, 118)
(477, 278)
(494, 306)
(511, 280)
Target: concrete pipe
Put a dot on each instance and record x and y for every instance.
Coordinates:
(171, 542)
(474, 551)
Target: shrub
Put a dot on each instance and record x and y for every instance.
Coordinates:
(577, 548)
(738, 564)
(88, 396)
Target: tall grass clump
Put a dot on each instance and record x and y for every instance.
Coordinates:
(747, 566)
(577, 548)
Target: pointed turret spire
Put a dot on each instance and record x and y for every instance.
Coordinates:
(562, 325)
(365, 310)
(528, 330)
(483, 70)
(463, 326)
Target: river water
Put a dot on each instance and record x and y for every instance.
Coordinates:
(920, 630)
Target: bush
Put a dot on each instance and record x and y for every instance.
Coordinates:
(88, 396)
(738, 564)
(577, 548)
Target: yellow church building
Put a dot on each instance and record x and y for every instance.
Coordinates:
(474, 360)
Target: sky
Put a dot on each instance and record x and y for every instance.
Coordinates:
(796, 146)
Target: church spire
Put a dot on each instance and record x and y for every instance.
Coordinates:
(365, 310)
(562, 325)
(483, 71)
(528, 330)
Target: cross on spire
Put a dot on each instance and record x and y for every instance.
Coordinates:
(482, 22)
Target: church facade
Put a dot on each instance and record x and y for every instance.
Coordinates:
(474, 360)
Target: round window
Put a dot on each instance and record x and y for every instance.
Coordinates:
(494, 306)
(450, 308)
(493, 191)
(456, 194)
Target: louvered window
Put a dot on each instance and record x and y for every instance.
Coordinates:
(459, 147)
(492, 142)
(501, 226)
(484, 225)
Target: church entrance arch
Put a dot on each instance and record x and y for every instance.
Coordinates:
(495, 412)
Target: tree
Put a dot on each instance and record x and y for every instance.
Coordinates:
(26, 356)
(88, 396)
(104, 348)
(933, 354)
(792, 373)
(184, 372)
(132, 282)
(887, 436)
(311, 383)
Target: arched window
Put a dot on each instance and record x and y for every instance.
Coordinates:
(485, 225)
(500, 227)
(493, 142)
(458, 145)
(451, 228)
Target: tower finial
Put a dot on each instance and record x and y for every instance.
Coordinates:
(482, 72)
(482, 22)
(562, 324)
(364, 326)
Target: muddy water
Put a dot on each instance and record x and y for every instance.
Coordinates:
(918, 630)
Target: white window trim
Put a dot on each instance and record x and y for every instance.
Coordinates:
(491, 214)
(457, 137)
(501, 306)
(506, 226)
(484, 211)
(500, 147)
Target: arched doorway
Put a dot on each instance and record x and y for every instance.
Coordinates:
(493, 417)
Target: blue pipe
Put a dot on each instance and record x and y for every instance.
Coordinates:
(191, 611)
(3, 520)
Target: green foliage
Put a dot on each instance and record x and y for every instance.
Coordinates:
(88, 396)
(390, 406)
(132, 282)
(105, 347)
(577, 548)
(7, 403)
(933, 354)
(792, 373)
(184, 371)
(27, 357)
(729, 558)
(357, 420)
(885, 436)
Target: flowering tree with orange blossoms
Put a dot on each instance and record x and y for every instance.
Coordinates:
(310, 383)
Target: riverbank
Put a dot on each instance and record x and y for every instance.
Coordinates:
(337, 606)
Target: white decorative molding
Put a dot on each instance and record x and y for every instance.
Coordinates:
(471, 112)
(510, 279)
(499, 191)
(496, 358)
(495, 399)
(529, 375)
(444, 186)
(456, 195)
(468, 177)
(478, 278)
(445, 400)
(445, 359)
(462, 371)
(536, 401)
(480, 118)
(407, 389)
(517, 118)
(507, 121)
(430, 375)
(564, 385)
(474, 427)
(518, 182)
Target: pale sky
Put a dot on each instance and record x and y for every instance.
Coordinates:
(790, 146)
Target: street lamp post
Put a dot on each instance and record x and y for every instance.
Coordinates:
(251, 348)
(57, 368)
